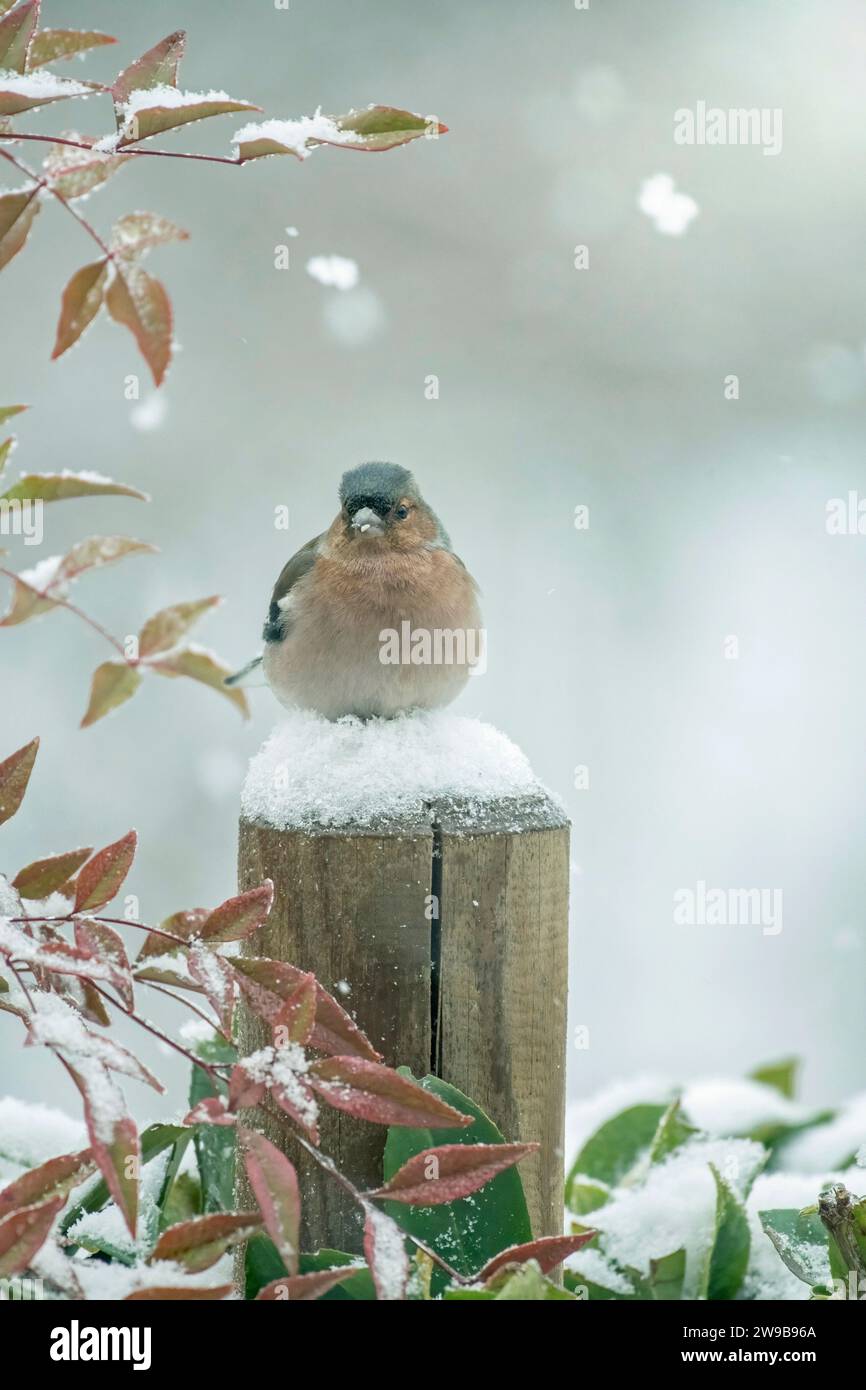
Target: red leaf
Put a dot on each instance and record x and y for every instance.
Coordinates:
(187, 1294)
(237, 917)
(23, 1233)
(53, 1179)
(297, 1017)
(140, 303)
(14, 775)
(244, 1092)
(268, 984)
(302, 1288)
(211, 1111)
(113, 1136)
(81, 302)
(197, 1244)
(217, 982)
(45, 876)
(549, 1251)
(101, 879)
(155, 68)
(443, 1174)
(370, 1091)
(275, 1186)
(16, 33)
(106, 945)
(385, 1249)
(17, 211)
(52, 45)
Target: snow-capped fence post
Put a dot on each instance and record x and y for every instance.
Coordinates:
(444, 931)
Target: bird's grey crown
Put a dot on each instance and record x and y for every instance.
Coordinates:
(376, 485)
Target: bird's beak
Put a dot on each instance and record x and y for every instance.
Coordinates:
(366, 522)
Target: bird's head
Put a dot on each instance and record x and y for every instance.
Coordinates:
(381, 506)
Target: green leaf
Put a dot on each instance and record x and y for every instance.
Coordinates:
(17, 211)
(82, 300)
(468, 1232)
(384, 127)
(114, 682)
(169, 626)
(145, 121)
(263, 1266)
(74, 173)
(728, 1255)
(140, 303)
(528, 1284)
(583, 1197)
(16, 32)
(672, 1132)
(203, 666)
(611, 1153)
(58, 487)
(801, 1240)
(51, 45)
(666, 1276)
(7, 411)
(782, 1076)
(214, 1144)
(155, 68)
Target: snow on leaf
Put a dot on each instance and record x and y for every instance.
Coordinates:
(167, 628)
(53, 1179)
(113, 1134)
(275, 1186)
(139, 231)
(199, 1243)
(14, 775)
(267, 984)
(370, 1091)
(155, 68)
(17, 211)
(114, 682)
(140, 303)
(58, 487)
(75, 173)
(46, 876)
(237, 917)
(203, 666)
(23, 1233)
(443, 1174)
(97, 551)
(81, 302)
(106, 944)
(261, 138)
(101, 879)
(51, 45)
(210, 1111)
(303, 1288)
(34, 592)
(152, 112)
(297, 1017)
(217, 983)
(283, 1071)
(385, 1250)
(384, 127)
(549, 1251)
(23, 93)
(16, 33)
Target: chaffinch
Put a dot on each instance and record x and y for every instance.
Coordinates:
(377, 615)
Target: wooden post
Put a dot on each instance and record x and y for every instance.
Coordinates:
(446, 935)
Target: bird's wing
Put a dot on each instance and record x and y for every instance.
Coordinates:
(277, 623)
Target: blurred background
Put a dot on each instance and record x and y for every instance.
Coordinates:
(559, 388)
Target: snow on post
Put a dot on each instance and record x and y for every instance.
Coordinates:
(421, 873)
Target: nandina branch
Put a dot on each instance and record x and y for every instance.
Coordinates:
(236, 160)
(72, 608)
(45, 184)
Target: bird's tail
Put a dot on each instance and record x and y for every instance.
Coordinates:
(242, 677)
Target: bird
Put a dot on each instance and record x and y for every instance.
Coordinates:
(377, 616)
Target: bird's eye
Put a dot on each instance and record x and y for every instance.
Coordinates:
(401, 513)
